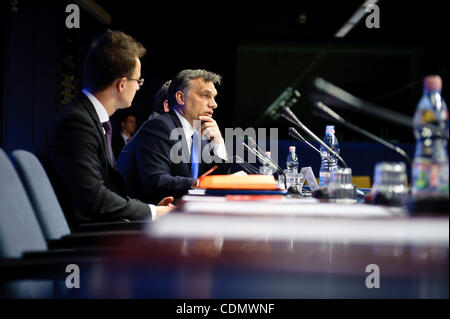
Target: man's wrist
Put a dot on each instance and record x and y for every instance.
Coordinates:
(221, 151)
(152, 211)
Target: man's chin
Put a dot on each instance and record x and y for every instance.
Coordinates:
(125, 106)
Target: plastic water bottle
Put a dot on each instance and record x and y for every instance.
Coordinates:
(329, 160)
(292, 161)
(265, 168)
(430, 164)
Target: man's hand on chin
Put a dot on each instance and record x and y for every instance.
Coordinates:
(164, 206)
(211, 130)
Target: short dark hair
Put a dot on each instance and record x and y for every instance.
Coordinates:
(123, 114)
(112, 55)
(124, 117)
(182, 81)
(160, 97)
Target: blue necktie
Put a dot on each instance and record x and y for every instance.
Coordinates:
(195, 152)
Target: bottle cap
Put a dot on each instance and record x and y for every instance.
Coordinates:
(329, 129)
(291, 148)
(432, 83)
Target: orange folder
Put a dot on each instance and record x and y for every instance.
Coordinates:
(238, 182)
(253, 197)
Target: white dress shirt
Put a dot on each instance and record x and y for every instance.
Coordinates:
(125, 137)
(103, 116)
(219, 149)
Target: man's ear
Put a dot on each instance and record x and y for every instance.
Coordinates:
(179, 97)
(120, 84)
(166, 106)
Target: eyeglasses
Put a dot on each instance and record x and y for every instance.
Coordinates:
(139, 81)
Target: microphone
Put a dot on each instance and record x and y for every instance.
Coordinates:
(333, 115)
(340, 98)
(265, 160)
(293, 132)
(251, 142)
(290, 116)
(246, 165)
(287, 98)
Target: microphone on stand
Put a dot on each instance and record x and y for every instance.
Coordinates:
(256, 147)
(250, 168)
(265, 160)
(293, 132)
(290, 116)
(251, 142)
(333, 115)
(287, 98)
(328, 92)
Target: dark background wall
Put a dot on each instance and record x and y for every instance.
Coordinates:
(38, 52)
(259, 49)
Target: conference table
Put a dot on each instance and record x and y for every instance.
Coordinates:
(217, 247)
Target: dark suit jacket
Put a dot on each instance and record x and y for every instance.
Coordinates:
(117, 144)
(147, 168)
(74, 153)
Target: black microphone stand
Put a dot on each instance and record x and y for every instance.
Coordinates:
(334, 116)
(325, 90)
(290, 116)
(293, 133)
(262, 158)
(245, 165)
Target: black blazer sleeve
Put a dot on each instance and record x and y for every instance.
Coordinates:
(77, 156)
(156, 170)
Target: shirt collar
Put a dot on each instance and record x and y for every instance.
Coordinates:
(125, 138)
(187, 127)
(99, 108)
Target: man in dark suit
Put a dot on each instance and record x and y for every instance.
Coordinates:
(168, 153)
(76, 150)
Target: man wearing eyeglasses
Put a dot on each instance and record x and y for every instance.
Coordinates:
(76, 151)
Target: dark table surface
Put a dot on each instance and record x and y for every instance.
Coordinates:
(194, 253)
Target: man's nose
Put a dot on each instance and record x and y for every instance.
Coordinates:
(213, 104)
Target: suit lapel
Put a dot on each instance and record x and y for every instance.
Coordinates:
(93, 114)
(185, 149)
(203, 167)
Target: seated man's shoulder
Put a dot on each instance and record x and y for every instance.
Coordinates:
(163, 118)
(163, 122)
(73, 125)
(73, 112)
(155, 130)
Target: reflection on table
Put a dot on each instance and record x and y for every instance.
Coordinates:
(290, 253)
